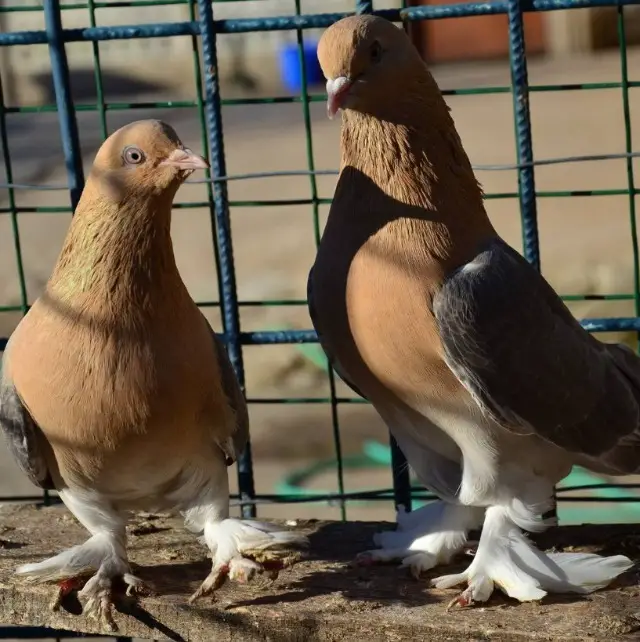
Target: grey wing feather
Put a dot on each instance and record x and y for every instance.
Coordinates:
(334, 362)
(24, 438)
(234, 446)
(530, 365)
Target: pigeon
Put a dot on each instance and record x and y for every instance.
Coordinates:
(489, 385)
(116, 392)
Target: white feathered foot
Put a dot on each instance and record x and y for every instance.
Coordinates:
(239, 549)
(425, 538)
(100, 560)
(506, 559)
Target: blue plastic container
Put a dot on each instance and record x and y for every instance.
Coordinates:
(290, 72)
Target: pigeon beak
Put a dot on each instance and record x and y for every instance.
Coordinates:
(337, 90)
(185, 159)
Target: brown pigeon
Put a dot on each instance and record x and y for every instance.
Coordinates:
(491, 388)
(116, 392)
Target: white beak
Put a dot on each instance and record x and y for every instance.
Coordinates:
(185, 159)
(337, 89)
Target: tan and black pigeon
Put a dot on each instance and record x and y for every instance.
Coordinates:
(490, 386)
(116, 392)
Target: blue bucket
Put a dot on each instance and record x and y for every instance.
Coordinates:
(290, 72)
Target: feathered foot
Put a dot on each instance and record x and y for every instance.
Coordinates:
(98, 600)
(425, 538)
(101, 559)
(239, 552)
(505, 558)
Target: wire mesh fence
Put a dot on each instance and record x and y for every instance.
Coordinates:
(203, 28)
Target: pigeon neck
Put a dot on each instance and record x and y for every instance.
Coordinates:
(422, 165)
(118, 252)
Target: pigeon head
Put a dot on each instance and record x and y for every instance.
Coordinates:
(368, 63)
(144, 157)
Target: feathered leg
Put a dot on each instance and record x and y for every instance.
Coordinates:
(425, 538)
(507, 559)
(238, 547)
(102, 557)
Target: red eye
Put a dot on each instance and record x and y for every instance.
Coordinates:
(133, 155)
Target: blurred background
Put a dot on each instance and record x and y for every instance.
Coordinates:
(586, 246)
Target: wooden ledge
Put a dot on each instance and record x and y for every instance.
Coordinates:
(320, 598)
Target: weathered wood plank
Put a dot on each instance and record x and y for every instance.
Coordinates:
(320, 598)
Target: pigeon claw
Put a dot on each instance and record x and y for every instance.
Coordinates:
(465, 599)
(66, 587)
(212, 582)
(364, 559)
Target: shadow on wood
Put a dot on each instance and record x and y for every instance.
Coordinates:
(322, 597)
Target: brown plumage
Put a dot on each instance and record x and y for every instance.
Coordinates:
(413, 295)
(406, 197)
(115, 390)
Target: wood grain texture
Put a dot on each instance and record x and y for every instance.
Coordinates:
(320, 598)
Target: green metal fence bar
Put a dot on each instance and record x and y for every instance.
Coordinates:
(227, 279)
(97, 72)
(306, 114)
(283, 23)
(183, 104)
(522, 122)
(66, 111)
(629, 163)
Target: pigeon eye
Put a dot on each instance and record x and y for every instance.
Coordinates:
(376, 51)
(132, 155)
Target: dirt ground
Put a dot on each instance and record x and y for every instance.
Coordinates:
(585, 241)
